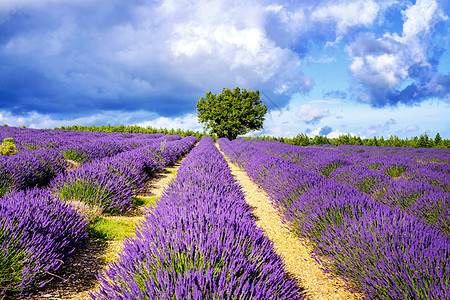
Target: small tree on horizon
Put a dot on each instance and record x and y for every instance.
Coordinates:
(232, 112)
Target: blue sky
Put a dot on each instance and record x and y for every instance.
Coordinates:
(368, 68)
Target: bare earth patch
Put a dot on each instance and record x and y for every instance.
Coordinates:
(297, 256)
(159, 181)
(72, 165)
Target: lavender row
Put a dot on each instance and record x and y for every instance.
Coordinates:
(37, 232)
(199, 242)
(109, 184)
(108, 147)
(383, 251)
(29, 169)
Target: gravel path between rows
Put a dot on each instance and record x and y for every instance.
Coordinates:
(297, 256)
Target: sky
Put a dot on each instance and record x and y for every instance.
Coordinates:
(361, 67)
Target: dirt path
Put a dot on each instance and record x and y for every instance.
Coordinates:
(81, 269)
(297, 256)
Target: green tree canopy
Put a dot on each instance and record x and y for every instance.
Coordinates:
(232, 112)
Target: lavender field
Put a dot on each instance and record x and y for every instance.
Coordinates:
(379, 217)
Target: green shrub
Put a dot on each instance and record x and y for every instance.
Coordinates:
(8, 147)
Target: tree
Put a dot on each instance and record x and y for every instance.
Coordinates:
(437, 139)
(301, 140)
(232, 112)
(424, 141)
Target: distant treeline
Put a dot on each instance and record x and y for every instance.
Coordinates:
(133, 129)
(423, 141)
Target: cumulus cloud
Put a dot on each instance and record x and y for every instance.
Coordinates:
(185, 122)
(393, 68)
(311, 114)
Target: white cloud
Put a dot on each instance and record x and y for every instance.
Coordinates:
(292, 82)
(347, 14)
(380, 128)
(336, 133)
(293, 21)
(205, 44)
(412, 128)
(186, 122)
(227, 40)
(322, 60)
(335, 43)
(311, 114)
(209, 44)
(384, 64)
(421, 17)
(333, 101)
(37, 120)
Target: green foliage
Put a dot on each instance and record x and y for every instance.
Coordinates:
(424, 141)
(91, 192)
(145, 201)
(437, 139)
(396, 170)
(8, 147)
(75, 155)
(12, 263)
(320, 140)
(347, 139)
(301, 140)
(231, 113)
(112, 229)
(163, 145)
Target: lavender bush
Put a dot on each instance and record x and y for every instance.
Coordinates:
(29, 169)
(37, 232)
(95, 185)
